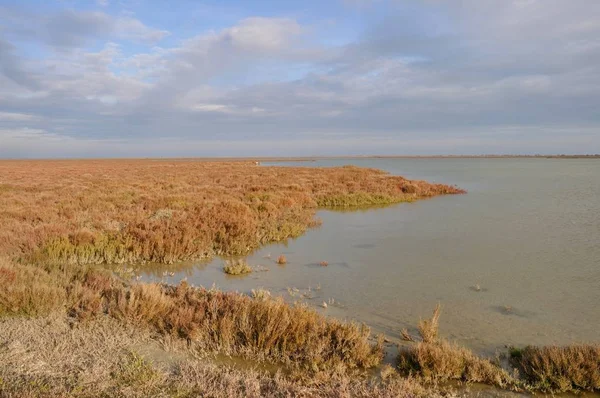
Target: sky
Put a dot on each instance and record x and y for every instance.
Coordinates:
(151, 78)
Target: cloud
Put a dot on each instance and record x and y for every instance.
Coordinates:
(70, 28)
(74, 28)
(12, 67)
(262, 34)
(132, 29)
(15, 117)
(431, 77)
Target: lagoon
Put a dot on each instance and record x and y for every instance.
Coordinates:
(515, 261)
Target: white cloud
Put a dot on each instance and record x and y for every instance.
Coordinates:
(25, 135)
(69, 28)
(227, 109)
(211, 108)
(262, 34)
(132, 29)
(15, 117)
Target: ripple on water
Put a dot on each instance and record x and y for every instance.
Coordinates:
(364, 246)
(319, 265)
(509, 310)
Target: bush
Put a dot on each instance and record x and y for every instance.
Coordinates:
(26, 290)
(237, 267)
(435, 359)
(560, 369)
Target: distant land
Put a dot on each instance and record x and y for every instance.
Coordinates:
(314, 158)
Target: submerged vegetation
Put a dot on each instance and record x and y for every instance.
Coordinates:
(121, 211)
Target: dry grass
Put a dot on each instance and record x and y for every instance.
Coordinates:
(116, 211)
(59, 218)
(560, 369)
(209, 321)
(216, 321)
(406, 336)
(261, 294)
(237, 267)
(435, 359)
(27, 290)
(49, 357)
(236, 324)
(443, 361)
(428, 328)
(82, 340)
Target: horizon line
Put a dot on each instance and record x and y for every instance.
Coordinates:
(315, 157)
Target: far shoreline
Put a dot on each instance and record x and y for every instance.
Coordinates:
(303, 158)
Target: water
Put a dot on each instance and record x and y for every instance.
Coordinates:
(515, 261)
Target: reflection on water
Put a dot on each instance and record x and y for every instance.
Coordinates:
(514, 261)
(185, 269)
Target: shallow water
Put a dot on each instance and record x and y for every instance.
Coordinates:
(515, 261)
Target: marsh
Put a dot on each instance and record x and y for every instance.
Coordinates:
(527, 233)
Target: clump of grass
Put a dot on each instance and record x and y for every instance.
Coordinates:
(428, 328)
(442, 361)
(237, 324)
(406, 336)
(560, 369)
(27, 290)
(387, 371)
(507, 310)
(237, 267)
(281, 260)
(261, 294)
(137, 372)
(435, 359)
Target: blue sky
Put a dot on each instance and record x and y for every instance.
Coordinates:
(285, 78)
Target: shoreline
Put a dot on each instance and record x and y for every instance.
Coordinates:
(305, 158)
